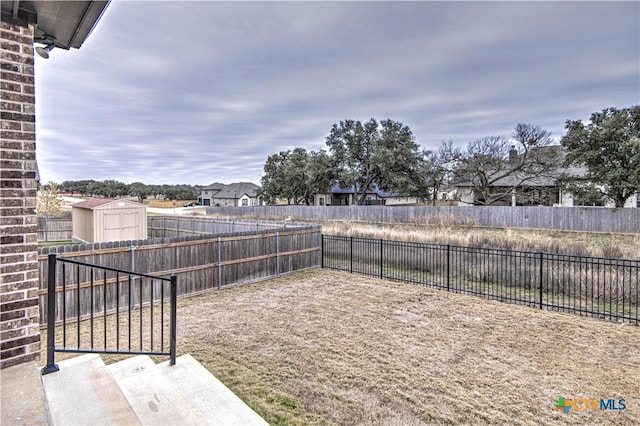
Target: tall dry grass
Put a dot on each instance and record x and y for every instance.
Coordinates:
(445, 229)
(516, 269)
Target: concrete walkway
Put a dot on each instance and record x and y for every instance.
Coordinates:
(22, 397)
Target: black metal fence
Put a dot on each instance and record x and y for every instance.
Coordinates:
(98, 309)
(599, 287)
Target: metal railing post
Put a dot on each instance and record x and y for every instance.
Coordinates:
(277, 255)
(321, 250)
(381, 258)
(448, 266)
(51, 317)
(132, 249)
(351, 257)
(174, 315)
(219, 263)
(541, 274)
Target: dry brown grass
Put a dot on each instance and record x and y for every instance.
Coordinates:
(444, 232)
(447, 229)
(330, 348)
(322, 347)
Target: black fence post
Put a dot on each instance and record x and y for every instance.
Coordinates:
(381, 257)
(540, 276)
(219, 263)
(448, 266)
(174, 315)
(351, 256)
(277, 255)
(51, 317)
(322, 250)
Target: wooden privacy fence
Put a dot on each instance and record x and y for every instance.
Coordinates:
(56, 228)
(60, 228)
(583, 219)
(201, 263)
(186, 226)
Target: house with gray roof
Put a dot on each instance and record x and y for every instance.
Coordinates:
(518, 189)
(339, 196)
(234, 194)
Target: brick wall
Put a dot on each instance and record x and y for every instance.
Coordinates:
(19, 312)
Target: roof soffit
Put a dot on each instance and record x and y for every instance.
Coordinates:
(65, 24)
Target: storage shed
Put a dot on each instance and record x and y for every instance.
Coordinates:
(101, 220)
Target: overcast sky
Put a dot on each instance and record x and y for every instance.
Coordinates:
(198, 92)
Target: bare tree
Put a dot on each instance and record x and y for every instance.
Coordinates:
(494, 167)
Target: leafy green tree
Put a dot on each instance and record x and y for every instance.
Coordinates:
(140, 190)
(273, 181)
(296, 176)
(609, 148)
(372, 154)
(108, 188)
(320, 172)
(584, 193)
(185, 194)
(94, 189)
(170, 193)
(73, 186)
(296, 186)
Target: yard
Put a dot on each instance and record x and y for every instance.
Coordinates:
(323, 347)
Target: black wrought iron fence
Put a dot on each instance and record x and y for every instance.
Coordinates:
(605, 288)
(99, 309)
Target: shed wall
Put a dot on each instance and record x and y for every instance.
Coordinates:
(82, 226)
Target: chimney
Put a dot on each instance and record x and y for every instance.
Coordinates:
(513, 155)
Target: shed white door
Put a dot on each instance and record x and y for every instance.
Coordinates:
(120, 226)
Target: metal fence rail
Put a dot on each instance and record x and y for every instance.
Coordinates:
(108, 310)
(599, 287)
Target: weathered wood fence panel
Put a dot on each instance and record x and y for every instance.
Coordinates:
(201, 262)
(185, 226)
(582, 219)
(58, 228)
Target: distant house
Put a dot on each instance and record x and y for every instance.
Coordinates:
(518, 190)
(233, 194)
(338, 196)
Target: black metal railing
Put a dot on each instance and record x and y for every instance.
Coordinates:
(100, 309)
(599, 287)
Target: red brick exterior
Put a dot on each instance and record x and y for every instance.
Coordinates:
(19, 311)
